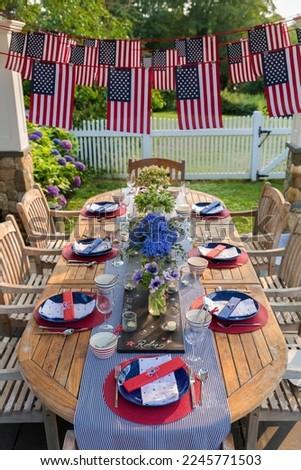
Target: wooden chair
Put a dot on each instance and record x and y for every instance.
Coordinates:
(284, 404)
(17, 403)
(70, 441)
(175, 169)
(19, 286)
(269, 221)
(284, 289)
(44, 226)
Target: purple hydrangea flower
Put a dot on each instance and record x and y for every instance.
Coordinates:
(39, 133)
(55, 152)
(69, 159)
(66, 144)
(80, 166)
(77, 181)
(155, 284)
(34, 137)
(52, 191)
(56, 141)
(62, 161)
(62, 200)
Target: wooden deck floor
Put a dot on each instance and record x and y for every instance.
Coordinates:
(287, 436)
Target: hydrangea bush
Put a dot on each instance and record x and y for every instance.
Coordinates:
(56, 166)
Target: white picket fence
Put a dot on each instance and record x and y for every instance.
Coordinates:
(247, 147)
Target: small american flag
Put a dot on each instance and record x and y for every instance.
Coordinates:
(90, 42)
(195, 50)
(120, 53)
(129, 100)
(198, 96)
(84, 59)
(15, 59)
(163, 63)
(239, 61)
(52, 94)
(282, 81)
(298, 32)
(269, 37)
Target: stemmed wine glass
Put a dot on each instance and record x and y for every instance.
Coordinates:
(104, 304)
(195, 328)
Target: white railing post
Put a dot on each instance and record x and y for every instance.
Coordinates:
(257, 121)
(146, 146)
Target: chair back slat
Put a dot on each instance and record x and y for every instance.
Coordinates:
(176, 170)
(290, 267)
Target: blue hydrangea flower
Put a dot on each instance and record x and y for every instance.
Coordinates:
(39, 133)
(56, 141)
(55, 152)
(69, 158)
(66, 144)
(62, 200)
(34, 137)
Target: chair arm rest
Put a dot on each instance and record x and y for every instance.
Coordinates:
(286, 307)
(283, 292)
(66, 213)
(20, 288)
(37, 252)
(267, 253)
(10, 374)
(244, 213)
(259, 237)
(48, 236)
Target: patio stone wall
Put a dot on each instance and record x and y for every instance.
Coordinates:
(292, 183)
(16, 177)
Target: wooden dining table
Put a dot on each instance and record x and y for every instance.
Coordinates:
(252, 364)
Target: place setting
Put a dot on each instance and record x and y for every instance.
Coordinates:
(89, 251)
(232, 311)
(104, 209)
(209, 210)
(220, 255)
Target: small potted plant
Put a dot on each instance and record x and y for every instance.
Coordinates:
(153, 176)
(153, 199)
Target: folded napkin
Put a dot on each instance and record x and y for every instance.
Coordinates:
(87, 248)
(94, 207)
(207, 209)
(55, 310)
(234, 307)
(68, 306)
(223, 253)
(153, 368)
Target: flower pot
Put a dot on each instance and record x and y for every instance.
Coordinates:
(157, 303)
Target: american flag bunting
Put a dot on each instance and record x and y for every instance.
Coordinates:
(129, 100)
(269, 37)
(199, 49)
(84, 60)
(198, 96)
(52, 94)
(239, 62)
(163, 63)
(15, 59)
(282, 81)
(298, 32)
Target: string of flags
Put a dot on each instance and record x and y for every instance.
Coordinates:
(55, 64)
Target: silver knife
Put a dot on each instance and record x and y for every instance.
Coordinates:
(192, 390)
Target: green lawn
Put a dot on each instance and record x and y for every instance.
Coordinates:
(237, 195)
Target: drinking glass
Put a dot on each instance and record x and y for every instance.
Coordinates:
(117, 245)
(104, 304)
(194, 333)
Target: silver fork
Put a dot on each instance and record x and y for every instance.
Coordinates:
(237, 324)
(78, 263)
(117, 371)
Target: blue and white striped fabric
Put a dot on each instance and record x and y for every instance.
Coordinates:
(97, 427)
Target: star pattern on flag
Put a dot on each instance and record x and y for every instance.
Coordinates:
(275, 68)
(180, 45)
(43, 78)
(298, 32)
(35, 45)
(17, 42)
(187, 83)
(194, 50)
(77, 55)
(234, 53)
(159, 60)
(107, 52)
(90, 42)
(120, 85)
(258, 40)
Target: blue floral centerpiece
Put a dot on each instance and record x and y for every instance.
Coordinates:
(155, 239)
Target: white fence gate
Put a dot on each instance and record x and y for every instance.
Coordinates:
(247, 147)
